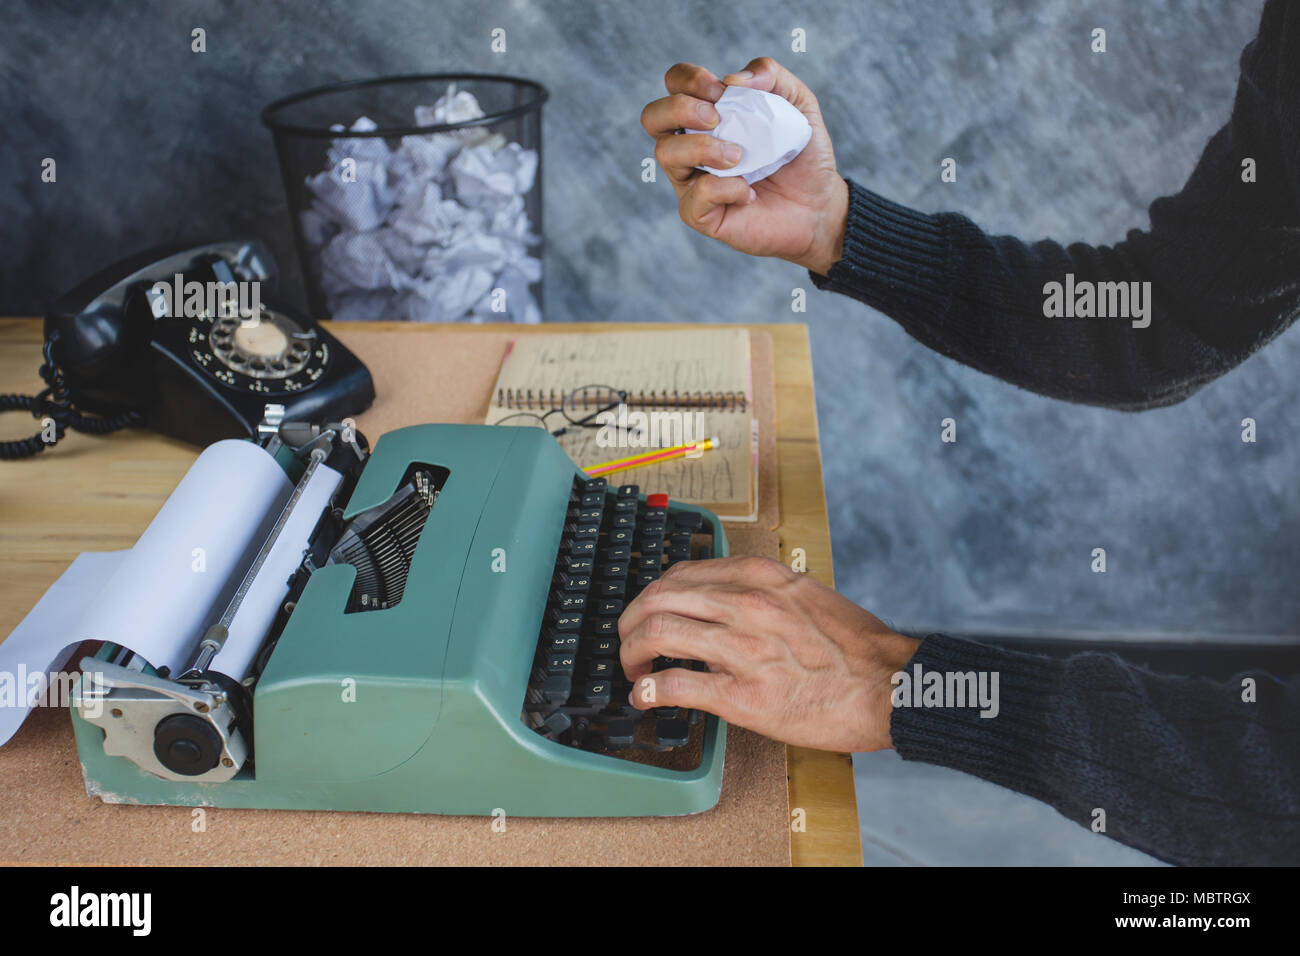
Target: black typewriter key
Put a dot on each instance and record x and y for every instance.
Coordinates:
(618, 536)
(611, 588)
(665, 713)
(605, 646)
(625, 521)
(621, 552)
(625, 505)
(570, 601)
(563, 644)
(689, 520)
(592, 484)
(592, 499)
(582, 547)
(618, 553)
(622, 691)
(609, 606)
(596, 693)
(649, 562)
(588, 515)
(655, 517)
(586, 531)
(558, 722)
(652, 546)
(672, 733)
(615, 569)
(560, 663)
(573, 582)
(578, 564)
(646, 578)
(557, 688)
(566, 620)
(605, 627)
(620, 733)
(629, 491)
(603, 668)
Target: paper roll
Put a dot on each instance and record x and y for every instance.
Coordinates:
(158, 598)
(267, 591)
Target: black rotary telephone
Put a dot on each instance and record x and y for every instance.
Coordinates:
(191, 342)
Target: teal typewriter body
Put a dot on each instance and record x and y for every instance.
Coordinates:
(472, 685)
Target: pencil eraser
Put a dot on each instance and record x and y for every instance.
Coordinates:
(767, 127)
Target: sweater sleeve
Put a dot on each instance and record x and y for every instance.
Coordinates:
(1186, 769)
(1222, 257)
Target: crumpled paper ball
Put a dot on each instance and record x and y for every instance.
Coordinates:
(768, 128)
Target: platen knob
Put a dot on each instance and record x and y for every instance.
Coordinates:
(186, 744)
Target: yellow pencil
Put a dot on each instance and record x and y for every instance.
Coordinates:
(693, 449)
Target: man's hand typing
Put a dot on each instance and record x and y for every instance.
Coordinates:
(788, 657)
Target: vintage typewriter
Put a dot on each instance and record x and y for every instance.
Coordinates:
(436, 624)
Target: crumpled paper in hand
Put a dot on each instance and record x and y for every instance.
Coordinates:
(433, 230)
(769, 129)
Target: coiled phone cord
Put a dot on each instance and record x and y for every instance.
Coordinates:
(55, 402)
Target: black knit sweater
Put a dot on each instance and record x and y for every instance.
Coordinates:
(1184, 768)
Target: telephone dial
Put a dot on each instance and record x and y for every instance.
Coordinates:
(120, 348)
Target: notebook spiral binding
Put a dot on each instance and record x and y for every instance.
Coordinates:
(528, 399)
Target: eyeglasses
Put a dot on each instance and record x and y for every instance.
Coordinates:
(581, 407)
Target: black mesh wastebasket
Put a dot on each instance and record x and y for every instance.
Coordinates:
(416, 198)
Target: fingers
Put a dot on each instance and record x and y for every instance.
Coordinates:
(769, 76)
(679, 155)
(661, 597)
(665, 634)
(692, 92)
(694, 81)
(666, 116)
(703, 589)
(679, 687)
(702, 203)
(749, 569)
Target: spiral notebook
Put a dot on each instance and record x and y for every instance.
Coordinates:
(681, 386)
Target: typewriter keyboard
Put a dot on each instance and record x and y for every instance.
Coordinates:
(613, 546)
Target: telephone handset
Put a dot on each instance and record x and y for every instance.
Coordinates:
(187, 341)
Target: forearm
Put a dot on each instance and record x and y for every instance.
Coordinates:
(1183, 768)
(982, 300)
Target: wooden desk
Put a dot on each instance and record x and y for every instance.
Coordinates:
(99, 493)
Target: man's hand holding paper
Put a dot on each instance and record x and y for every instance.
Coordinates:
(795, 213)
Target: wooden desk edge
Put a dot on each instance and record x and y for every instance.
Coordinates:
(820, 783)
